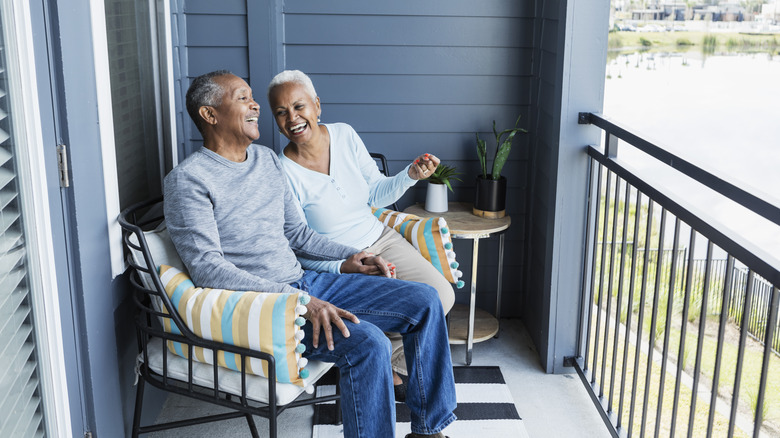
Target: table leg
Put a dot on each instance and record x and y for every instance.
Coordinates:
(500, 278)
(473, 300)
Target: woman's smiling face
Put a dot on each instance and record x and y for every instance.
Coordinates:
(295, 112)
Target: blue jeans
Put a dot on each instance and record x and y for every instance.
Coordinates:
(385, 305)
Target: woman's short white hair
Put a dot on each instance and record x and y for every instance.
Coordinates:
(295, 76)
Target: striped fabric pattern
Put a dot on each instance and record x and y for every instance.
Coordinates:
(485, 408)
(430, 236)
(261, 321)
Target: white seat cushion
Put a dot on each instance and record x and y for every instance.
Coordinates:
(229, 381)
(164, 253)
(162, 250)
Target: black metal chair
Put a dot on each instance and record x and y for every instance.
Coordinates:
(381, 164)
(245, 394)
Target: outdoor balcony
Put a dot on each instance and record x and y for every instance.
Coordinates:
(550, 404)
(644, 277)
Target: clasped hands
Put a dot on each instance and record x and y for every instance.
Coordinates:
(324, 315)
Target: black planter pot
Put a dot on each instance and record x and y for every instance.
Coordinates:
(490, 198)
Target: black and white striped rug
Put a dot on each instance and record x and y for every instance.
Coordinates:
(485, 408)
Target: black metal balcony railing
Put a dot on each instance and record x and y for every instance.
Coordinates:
(672, 344)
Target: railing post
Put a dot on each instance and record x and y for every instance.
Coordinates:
(611, 145)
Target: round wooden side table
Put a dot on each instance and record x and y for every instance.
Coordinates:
(469, 324)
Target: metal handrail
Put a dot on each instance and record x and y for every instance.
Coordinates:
(745, 251)
(750, 306)
(748, 199)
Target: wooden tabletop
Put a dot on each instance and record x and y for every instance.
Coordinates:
(462, 221)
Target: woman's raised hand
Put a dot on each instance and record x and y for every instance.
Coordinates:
(423, 166)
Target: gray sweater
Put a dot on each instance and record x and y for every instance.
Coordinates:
(235, 225)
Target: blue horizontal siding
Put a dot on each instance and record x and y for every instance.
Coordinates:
(215, 7)
(402, 60)
(422, 89)
(205, 59)
(216, 37)
(423, 118)
(443, 8)
(459, 146)
(410, 76)
(429, 31)
(217, 31)
(414, 77)
(514, 172)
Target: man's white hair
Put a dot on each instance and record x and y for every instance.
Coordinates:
(295, 76)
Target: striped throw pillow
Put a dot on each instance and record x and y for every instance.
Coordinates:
(430, 236)
(261, 321)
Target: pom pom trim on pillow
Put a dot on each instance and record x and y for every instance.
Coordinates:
(430, 236)
(261, 321)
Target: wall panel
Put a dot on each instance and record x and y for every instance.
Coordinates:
(214, 35)
(401, 60)
(443, 8)
(217, 30)
(423, 89)
(383, 30)
(545, 143)
(424, 118)
(414, 77)
(206, 59)
(410, 76)
(212, 7)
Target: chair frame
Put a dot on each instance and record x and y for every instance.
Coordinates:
(134, 220)
(383, 169)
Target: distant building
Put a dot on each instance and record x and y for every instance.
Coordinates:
(677, 10)
(732, 12)
(661, 11)
(720, 12)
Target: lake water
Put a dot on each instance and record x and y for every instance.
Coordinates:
(720, 112)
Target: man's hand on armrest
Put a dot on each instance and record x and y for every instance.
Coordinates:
(323, 316)
(365, 263)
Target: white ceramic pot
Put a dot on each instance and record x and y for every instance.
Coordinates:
(436, 198)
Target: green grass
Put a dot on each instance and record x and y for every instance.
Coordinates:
(750, 377)
(682, 42)
(651, 391)
(671, 41)
(748, 390)
(753, 356)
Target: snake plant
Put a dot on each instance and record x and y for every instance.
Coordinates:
(502, 150)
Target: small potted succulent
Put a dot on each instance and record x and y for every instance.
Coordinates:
(490, 197)
(438, 183)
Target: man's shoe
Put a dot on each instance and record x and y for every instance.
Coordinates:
(400, 389)
(435, 435)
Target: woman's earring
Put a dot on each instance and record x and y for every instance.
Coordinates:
(318, 119)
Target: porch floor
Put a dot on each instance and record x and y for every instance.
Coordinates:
(551, 405)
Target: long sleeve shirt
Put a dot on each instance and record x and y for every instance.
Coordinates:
(236, 225)
(338, 205)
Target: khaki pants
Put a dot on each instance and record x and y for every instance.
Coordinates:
(411, 266)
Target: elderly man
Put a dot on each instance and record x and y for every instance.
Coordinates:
(234, 223)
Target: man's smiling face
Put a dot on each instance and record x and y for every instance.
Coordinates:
(236, 117)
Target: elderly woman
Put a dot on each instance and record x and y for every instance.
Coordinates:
(337, 182)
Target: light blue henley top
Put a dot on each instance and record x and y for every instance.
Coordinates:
(338, 205)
